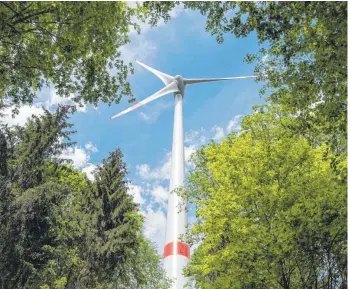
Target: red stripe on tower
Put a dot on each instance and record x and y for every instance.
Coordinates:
(182, 249)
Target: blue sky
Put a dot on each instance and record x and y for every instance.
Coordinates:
(145, 136)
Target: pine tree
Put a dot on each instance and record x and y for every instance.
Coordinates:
(114, 225)
(59, 230)
(29, 205)
(40, 140)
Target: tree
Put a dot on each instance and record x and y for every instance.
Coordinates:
(302, 56)
(73, 45)
(266, 213)
(57, 229)
(113, 223)
(37, 143)
(30, 204)
(271, 210)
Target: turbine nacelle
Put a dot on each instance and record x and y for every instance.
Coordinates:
(174, 84)
(180, 81)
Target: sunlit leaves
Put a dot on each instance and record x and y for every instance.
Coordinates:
(72, 45)
(271, 210)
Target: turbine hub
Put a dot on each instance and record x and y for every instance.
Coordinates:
(180, 82)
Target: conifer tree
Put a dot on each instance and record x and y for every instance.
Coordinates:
(36, 143)
(59, 230)
(29, 205)
(114, 224)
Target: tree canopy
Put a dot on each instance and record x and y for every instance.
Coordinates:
(271, 210)
(72, 45)
(59, 230)
(271, 199)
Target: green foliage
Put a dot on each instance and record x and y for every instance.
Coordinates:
(74, 45)
(35, 144)
(59, 230)
(3, 155)
(113, 224)
(271, 202)
(271, 210)
(302, 58)
(32, 232)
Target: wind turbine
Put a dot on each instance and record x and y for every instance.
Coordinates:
(176, 253)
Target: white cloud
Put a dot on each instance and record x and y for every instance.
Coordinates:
(88, 169)
(54, 100)
(136, 192)
(188, 151)
(160, 194)
(195, 137)
(143, 170)
(91, 147)
(160, 172)
(234, 124)
(218, 132)
(21, 118)
(142, 47)
(47, 99)
(155, 226)
(155, 219)
(78, 156)
(139, 48)
(154, 110)
(144, 116)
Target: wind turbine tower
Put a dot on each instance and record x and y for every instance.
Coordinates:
(176, 253)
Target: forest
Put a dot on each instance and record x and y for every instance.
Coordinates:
(270, 200)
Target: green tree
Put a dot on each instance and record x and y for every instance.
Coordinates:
(115, 248)
(113, 224)
(73, 45)
(271, 210)
(30, 204)
(302, 57)
(59, 230)
(34, 145)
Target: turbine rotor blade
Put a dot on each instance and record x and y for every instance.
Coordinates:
(171, 87)
(200, 80)
(162, 76)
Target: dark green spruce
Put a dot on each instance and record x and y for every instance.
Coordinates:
(59, 230)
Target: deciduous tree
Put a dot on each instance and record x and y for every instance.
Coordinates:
(73, 45)
(271, 210)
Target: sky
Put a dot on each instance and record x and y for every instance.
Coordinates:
(211, 110)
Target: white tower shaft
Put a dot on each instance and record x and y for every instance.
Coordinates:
(176, 253)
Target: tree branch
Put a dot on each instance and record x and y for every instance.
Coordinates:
(32, 15)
